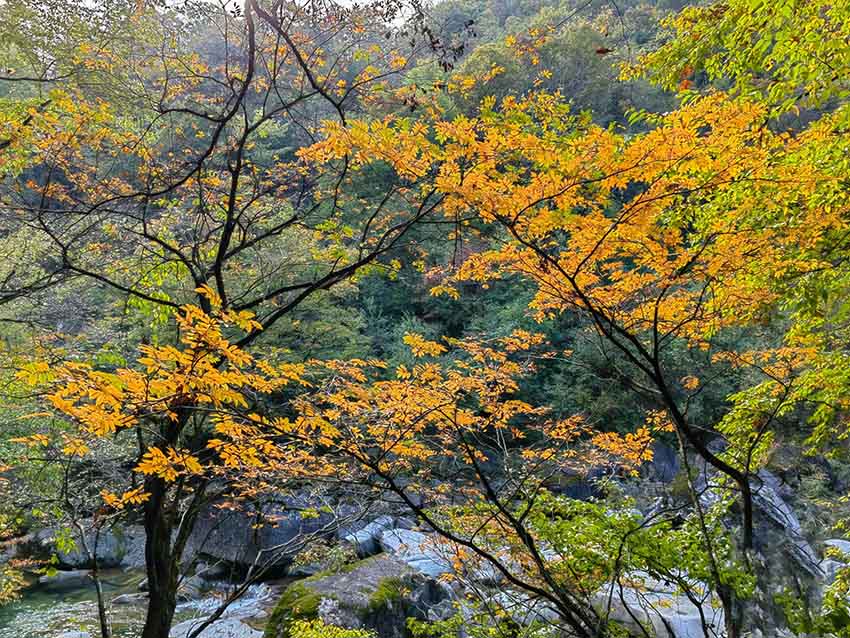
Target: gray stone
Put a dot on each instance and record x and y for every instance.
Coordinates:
(441, 611)
(767, 498)
(768, 502)
(66, 579)
(226, 628)
(134, 547)
(664, 465)
(308, 569)
(831, 564)
(525, 609)
(659, 607)
(215, 571)
(235, 538)
(766, 488)
(366, 541)
(74, 634)
(189, 588)
(403, 522)
(377, 593)
(130, 599)
(420, 551)
(110, 548)
(830, 569)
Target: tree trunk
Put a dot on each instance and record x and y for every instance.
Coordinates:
(162, 566)
(98, 587)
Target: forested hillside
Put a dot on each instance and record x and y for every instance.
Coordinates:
(403, 320)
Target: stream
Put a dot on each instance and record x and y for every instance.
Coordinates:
(48, 612)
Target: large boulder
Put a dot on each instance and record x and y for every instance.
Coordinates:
(420, 551)
(664, 465)
(133, 537)
(273, 537)
(434, 558)
(225, 628)
(778, 530)
(70, 549)
(523, 608)
(768, 499)
(61, 580)
(138, 598)
(377, 593)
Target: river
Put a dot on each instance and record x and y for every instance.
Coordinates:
(49, 612)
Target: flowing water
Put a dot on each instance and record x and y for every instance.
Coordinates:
(48, 613)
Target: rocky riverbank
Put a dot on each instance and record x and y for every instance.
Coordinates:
(378, 571)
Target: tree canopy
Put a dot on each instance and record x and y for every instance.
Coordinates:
(468, 249)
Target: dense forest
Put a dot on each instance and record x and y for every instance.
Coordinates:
(472, 318)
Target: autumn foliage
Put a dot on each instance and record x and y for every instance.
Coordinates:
(725, 216)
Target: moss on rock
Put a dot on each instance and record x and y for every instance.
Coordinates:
(370, 593)
(388, 592)
(298, 602)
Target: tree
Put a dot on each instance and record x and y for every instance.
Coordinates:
(436, 420)
(710, 220)
(478, 466)
(713, 218)
(153, 167)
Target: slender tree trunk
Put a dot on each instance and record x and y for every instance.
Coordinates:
(98, 586)
(95, 575)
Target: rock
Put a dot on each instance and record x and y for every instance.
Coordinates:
(130, 599)
(404, 522)
(321, 557)
(832, 563)
(66, 579)
(366, 541)
(233, 536)
(664, 464)
(840, 544)
(74, 634)
(441, 611)
(420, 551)
(657, 605)
(216, 571)
(770, 505)
(226, 628)
(190, 587)
(525, 609)
(250, 606)
(377, 593)
(309, 569)
(578, 486)
(427, 555)
(830, 568)
(134, 547)
(109, 542)
(767, 498)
